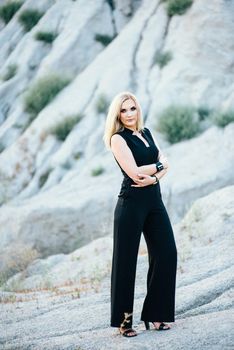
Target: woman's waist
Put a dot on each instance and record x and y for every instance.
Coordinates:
(127, 188)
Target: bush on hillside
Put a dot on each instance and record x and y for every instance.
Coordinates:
(102, 104)
(15, 258)
(62, 130)
(223, 118)
(29, 18)
(204, 112)
(7, 11)
(11, 72)
(43, 92)
(47, 37)
(178, 123)
(97, 171)
(178, 7)
(104, 39)
(162, 58)
(44, 177)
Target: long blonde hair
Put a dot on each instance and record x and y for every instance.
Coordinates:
(113, 122)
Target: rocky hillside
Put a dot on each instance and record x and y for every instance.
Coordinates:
(61, 63)
(52, 150)
(69, 307)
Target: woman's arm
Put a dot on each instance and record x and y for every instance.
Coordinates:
(146, 180)
(126, 160)
(161, 156)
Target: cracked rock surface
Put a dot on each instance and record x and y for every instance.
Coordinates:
(56, 213)
(76, 316)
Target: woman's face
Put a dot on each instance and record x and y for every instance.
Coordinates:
(128, 114)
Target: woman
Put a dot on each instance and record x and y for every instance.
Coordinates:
(139, 209)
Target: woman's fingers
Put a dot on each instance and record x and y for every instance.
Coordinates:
(138, 181)
(142, 180)
(143, 175)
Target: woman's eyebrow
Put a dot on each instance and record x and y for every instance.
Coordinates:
(129, 107)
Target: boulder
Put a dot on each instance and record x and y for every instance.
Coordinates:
(198, 167)
(199, 73)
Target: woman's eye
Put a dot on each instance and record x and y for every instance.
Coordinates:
(132, 109)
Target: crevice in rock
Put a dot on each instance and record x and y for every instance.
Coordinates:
(203, 276)
(112, 8)
(209, 298)
(147, 107)
(133, 71)
(202, 312)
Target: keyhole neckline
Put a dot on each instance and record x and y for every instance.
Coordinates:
(147, 145)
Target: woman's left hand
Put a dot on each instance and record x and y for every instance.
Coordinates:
(143, 180)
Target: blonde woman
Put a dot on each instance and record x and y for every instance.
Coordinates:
(139, 209)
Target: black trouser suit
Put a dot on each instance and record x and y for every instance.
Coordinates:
(140, 209)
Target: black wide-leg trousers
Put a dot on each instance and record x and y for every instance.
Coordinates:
(142, 210)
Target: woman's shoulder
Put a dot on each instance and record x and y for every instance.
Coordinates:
(146, 130)
(121, 132)
(118, 136)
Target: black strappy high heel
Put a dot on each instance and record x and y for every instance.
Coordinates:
(123, 329)
(126, 332)
(161, 326)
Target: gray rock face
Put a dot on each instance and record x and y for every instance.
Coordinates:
(52, 203)
(198, 167)
(70, 215)
(63, 227)
(56, 317)
(199, 73)
(185, 78)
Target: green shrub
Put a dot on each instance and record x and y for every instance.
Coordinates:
(62, 130)
(77, 155)
(162, 58)
(47, 37)
(178, 123)
(29, 18)
(16, 258)
(7, 11)
(104, 39)
(203, 112)
(44, 177)
(67, 164)
(97, 171)
(223, 118)
(11, 72)
(102, 104)
(178, 7)
(43, 92)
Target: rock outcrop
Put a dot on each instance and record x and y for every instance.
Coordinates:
(80, 209)
(203, 293)
(128, 56)
(57, 196)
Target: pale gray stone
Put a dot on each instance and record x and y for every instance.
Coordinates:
(77, 314)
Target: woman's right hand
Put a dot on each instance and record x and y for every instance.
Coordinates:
(143, 180)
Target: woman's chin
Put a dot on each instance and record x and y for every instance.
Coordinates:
(130, 124)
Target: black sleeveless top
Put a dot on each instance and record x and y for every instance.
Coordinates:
(142, 154)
